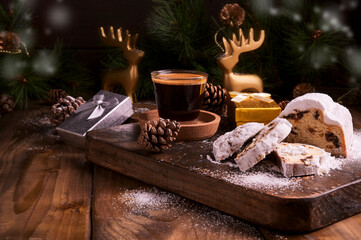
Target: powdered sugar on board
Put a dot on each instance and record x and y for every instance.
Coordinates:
(262, 180)
(266, 175)
(142, 199)
(355, 153)
(151, 202)
(257, 178)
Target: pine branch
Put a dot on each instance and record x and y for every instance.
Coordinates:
(179, 27)
(14, 18)
(69, 75)
(23, 89)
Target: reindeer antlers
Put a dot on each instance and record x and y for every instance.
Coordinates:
(242, 44)
(125, 41)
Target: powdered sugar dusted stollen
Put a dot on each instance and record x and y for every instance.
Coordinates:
(297, 159)
(319, 121)
(229, 142)
(263, 143)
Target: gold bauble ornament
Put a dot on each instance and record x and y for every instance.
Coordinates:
(227, 61)
(10, 43)
(129, 76)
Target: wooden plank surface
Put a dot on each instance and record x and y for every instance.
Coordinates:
(118, 214)
(124, 208)
(57, 198)
(314, 203)
(348, 228)
(45, 185)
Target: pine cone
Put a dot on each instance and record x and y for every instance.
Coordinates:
(157, 135)
(9, 41)
(7, 103)
(64, 108)
(232, 15)
(283, 104)
(302, 89)
(215, 98)
(56, 94)
(316, 34)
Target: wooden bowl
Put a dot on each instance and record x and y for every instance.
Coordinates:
(205, 127)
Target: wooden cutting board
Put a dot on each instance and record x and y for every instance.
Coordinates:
(268, 199)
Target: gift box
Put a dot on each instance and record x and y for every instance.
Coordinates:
(104, 110)
(252, 107)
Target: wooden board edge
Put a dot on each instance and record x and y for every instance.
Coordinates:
(181, 181)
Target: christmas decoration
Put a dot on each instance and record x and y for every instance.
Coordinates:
(283, 104)
(26, 76)
(309, 42)
(302, 89)
(64, 108)
(128, 77)
(227, 61)
(104, 109)
(232, 15)
(9, 42)
(215, 98)
(56, 94)
(252, 107)
(7, 104)
(157, 135)
(316, 34)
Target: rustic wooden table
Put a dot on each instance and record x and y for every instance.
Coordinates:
(48, 190)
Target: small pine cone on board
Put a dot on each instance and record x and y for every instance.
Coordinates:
(215, 98)
(156, 135)
(64, 108)
(56, 94)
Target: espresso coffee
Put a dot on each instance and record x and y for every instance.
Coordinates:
(179, 95)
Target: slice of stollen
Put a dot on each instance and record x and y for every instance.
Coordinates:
(319, 121)
(263, 143)
(226, 144)
(297, 159)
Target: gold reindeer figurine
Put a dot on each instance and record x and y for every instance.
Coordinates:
(128, 77)
(233, 48)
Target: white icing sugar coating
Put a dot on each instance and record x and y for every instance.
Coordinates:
(228, 143)
(263, 143)
(292, 149)
(298, 159)
(333, 113)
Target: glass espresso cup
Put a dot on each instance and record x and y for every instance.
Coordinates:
(179, 93)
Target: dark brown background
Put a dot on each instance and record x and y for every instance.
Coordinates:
(86, 16)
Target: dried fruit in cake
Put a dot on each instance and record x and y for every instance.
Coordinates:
(226, 144)
(297, 159)
(263, 143)
(319, 121)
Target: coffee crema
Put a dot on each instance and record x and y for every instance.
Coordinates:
(180, 79)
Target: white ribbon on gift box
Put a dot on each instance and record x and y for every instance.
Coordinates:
(264, 97)
(98, 104)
